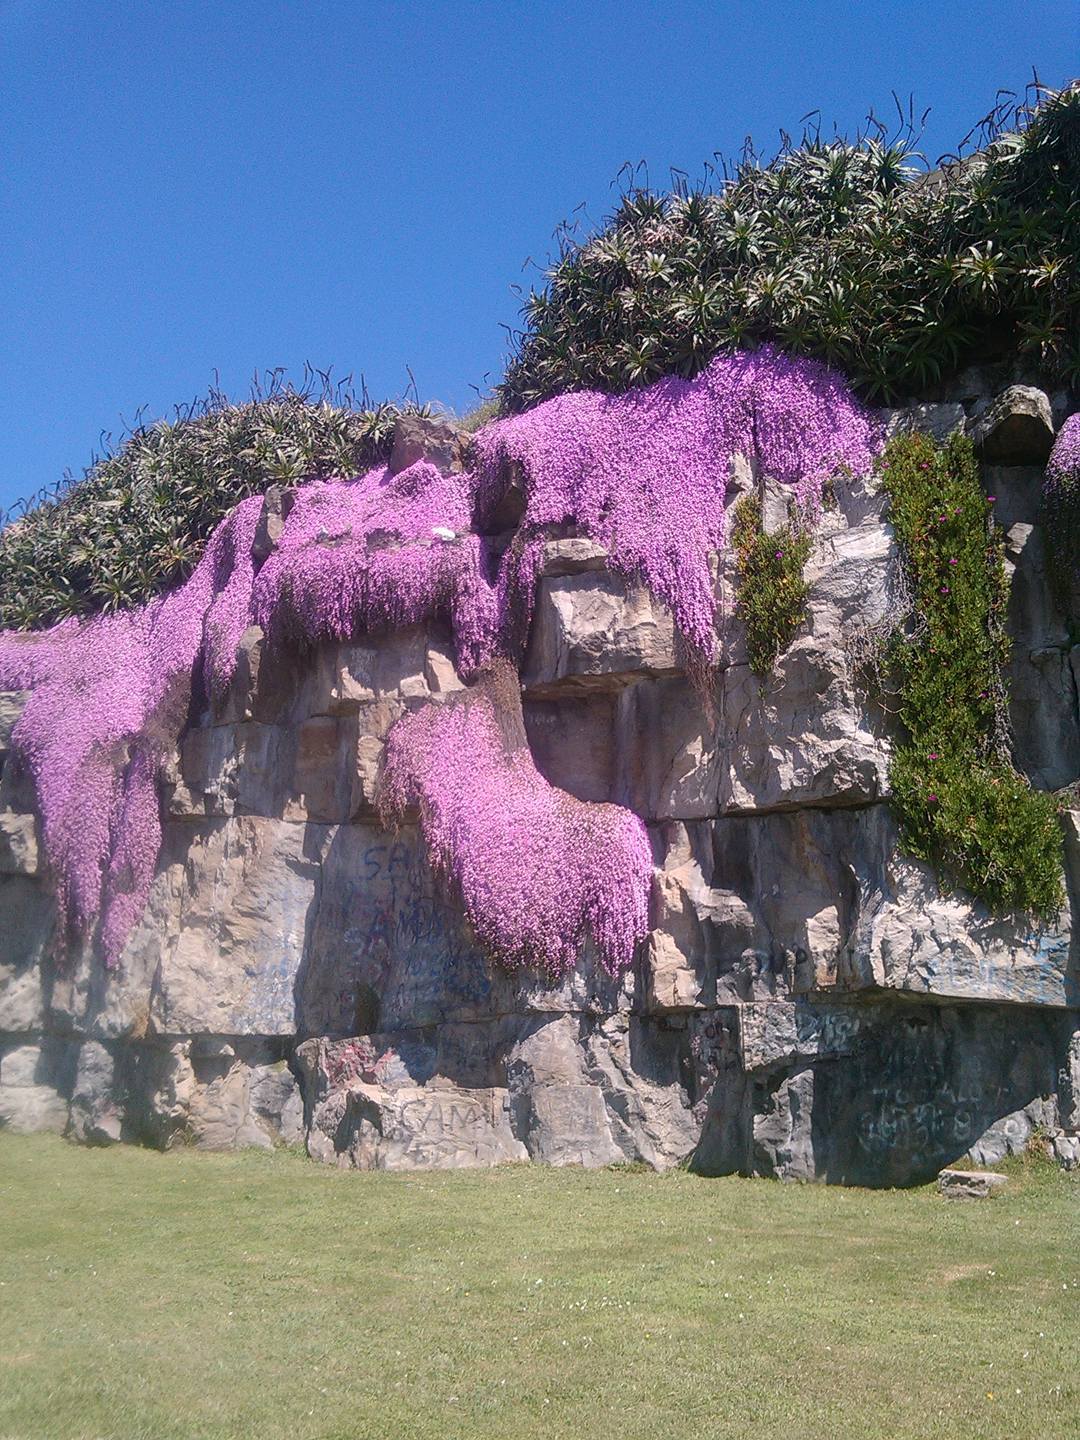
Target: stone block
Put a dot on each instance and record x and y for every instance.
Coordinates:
(572, 743)
(936, 420)
(594, 630)
(1017, 428)
(97, 1100)
(574, 555)
(427, 437)
(30, 1090)
(971, 1184)
(29, 918)
(247, 903)
(12, 704)
(18, 844)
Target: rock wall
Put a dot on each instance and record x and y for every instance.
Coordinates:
(808, 1005)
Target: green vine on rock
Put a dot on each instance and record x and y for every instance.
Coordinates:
(961, 805)
(772, 591)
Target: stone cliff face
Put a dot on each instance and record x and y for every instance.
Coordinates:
(809, 1004)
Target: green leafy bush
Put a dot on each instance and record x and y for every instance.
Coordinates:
(772, 591)
(961, 805)
(139, 519)
(845, 251)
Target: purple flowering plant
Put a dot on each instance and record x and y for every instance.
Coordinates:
(644, 474)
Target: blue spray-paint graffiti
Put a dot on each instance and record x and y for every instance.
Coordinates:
(404, 945)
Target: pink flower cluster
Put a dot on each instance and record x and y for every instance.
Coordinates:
(1064, 462)
(644, 474)
(537, 870)
(381, 551)
(1061, 499)
(108, 700)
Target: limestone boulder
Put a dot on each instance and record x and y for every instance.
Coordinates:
(34, 1085)
(1016, 428)
(592, 631)
(246, 903)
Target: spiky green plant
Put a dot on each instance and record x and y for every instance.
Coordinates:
(138, 520)
(846, 251)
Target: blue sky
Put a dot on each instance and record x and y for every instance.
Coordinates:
(194, 187)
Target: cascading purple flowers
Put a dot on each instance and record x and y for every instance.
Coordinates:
(1061, 499)
(538, 871)
(383, 550)
(644, 474)
(108, 699)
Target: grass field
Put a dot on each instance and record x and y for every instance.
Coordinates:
(253, 1295)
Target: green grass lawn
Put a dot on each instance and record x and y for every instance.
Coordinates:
(256, 1295)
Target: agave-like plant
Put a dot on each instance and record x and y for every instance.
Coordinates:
(849, 251)
(138, 520)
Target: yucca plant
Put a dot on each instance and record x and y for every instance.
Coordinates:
(138, 519)
(848, 251)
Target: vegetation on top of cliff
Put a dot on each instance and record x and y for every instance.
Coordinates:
(847, 251)
(138, 520)
(961, 805)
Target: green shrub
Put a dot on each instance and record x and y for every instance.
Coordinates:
(772, 591)
(961, 805)
(845, 251)
(137, 522)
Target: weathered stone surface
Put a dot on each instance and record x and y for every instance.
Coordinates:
(1013, 1133)
(881, 1095)
(1017, 428)
(668, 761)
(18, 844)
(775, 500)
(16, 785)
(30, 1098)
(277, 503)
(368, 1110)
(97, 1102)
(12, 703)
(769, 761)
(572, 556)
(1044, 710)
(971, 1184)
(29, 917)
(594, 630)
(247, 898)
(939, 420)
(572, 743)
(418, 437)
(753, 907)
(808, 1004)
